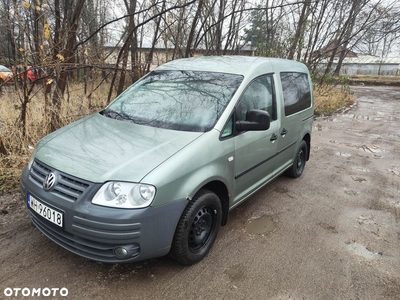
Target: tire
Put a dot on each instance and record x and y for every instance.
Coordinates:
(197, 228)
(299, 162)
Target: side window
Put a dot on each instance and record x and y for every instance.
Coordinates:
(296, 92)
(258, 95)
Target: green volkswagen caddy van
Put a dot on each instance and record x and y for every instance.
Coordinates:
(158, 170)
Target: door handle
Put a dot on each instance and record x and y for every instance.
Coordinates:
(284, 131)
(273, 138)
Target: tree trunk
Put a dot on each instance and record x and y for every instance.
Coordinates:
(192, 30)
(300, 29)
(131, 8)
(68, 54)
(149, 59)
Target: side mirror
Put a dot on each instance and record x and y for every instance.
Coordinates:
(255, 120)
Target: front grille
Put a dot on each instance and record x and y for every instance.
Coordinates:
(67, 187)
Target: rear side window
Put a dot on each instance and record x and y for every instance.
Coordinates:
(296, 92)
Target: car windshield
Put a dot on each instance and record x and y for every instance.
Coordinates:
(4, 69)
(178, 100)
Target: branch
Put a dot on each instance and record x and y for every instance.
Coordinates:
(250, 9)
(136, 13)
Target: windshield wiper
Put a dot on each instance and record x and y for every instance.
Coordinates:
(117, 115)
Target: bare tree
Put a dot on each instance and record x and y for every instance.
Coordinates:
(380, 38)
(301, 24)
(64, 51)
(67, 37)
(156, 37)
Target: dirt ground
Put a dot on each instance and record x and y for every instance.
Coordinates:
(334, 233)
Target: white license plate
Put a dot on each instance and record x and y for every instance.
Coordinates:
(45, 212)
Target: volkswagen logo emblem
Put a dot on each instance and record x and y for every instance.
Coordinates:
(49, 181)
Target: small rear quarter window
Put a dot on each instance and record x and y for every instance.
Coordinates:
(296, 92)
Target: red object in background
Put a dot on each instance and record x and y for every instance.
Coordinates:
(32, 73)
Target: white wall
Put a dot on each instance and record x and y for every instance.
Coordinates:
(370, 69)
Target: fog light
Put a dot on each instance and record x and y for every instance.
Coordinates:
(127, 251)
(121, 252)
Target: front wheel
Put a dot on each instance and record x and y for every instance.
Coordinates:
(299, 162)
(197, 228)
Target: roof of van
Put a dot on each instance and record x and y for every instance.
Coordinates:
(241, 65)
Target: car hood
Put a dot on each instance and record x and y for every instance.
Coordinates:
(99, 149)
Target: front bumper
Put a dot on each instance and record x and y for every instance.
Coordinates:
(95, 232)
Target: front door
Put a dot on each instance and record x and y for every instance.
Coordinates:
(255, 150)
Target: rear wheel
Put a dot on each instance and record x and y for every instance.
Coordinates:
(299, 162)
(197, 228)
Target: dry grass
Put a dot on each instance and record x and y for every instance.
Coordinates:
(15, 148)
(329, 99)
(375, 79)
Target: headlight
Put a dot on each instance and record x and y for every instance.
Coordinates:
(32, 158)
(125, 195)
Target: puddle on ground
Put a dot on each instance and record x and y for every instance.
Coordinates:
(351, 193)
(374, 136)
(344, 154)
(281, 190)
(358, 179)
(360, 250)
(361, 169)
(367, 220)
(328, 227)
(395, 208)
(394, 170)
(262, 225)
(359, 117)
(371, 148)
(234, 273)
(349, 116)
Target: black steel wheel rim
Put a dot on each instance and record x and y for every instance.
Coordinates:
(300, 160)
(201, 229)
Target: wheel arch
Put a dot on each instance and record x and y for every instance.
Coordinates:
(307, 139)
(220, 189)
